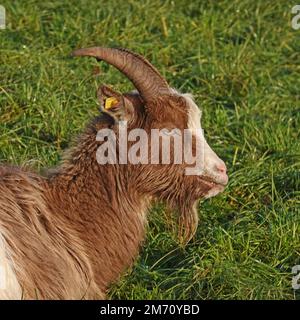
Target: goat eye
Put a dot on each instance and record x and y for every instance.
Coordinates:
(172, 132)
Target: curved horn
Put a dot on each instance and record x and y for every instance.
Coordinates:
(140, 71)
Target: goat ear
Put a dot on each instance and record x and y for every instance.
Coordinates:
(109, 99)
(113, 103)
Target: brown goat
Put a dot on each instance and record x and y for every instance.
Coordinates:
(71, 233)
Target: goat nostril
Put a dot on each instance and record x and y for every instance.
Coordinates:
(221, 168)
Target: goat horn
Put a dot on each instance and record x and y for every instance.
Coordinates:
(140, 71)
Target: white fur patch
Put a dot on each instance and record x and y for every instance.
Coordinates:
(211, 160)
(9, 286)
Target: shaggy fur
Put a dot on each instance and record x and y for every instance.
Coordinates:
(70, 233)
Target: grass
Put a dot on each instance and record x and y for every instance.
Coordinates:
(241, 61)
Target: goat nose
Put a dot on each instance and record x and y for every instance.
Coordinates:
(221, 167)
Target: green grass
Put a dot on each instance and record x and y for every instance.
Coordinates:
(241, 61)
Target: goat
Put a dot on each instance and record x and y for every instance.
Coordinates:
(72, 232)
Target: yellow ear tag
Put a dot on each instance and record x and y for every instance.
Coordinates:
(110, 102)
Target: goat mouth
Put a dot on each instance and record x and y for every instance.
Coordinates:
(213, 187)
(212, 183)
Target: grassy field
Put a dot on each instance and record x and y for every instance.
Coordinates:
(241, 61)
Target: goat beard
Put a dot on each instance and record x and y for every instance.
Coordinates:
(187, 219)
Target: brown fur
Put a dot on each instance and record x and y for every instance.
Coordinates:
(72, 232)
